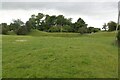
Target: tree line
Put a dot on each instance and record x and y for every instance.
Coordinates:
(48, 23)
(110, 26)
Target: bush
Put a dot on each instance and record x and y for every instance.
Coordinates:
(54, 29)
(90, 29)
(21, 31)
(96, 30)
(4, 28)
(82, 30)
(67, 28)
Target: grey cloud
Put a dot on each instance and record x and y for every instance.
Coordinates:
(97, 10)
(59, 0)
(71, 8)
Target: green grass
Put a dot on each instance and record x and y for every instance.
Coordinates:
(57, 34)
(0, 56)
(60, 55)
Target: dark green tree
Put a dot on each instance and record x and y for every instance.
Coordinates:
(19, 28)
(60, 21)
(105, 27)
(4, 28)
(82, 30)
(78, 26)
(96, 30)
(38, 20)
(112, 26)
(46, 23)
(90, 29)
(29, 26)
(32, 22)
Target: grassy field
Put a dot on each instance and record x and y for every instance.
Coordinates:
(60, 55)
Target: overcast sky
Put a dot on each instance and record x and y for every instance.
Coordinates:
(94, 12)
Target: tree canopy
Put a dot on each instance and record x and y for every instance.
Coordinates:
(48, 23)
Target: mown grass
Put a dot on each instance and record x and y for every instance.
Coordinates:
(60, 55)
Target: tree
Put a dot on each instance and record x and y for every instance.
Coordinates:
(82, 30)
(105, 26)
(60, 21)
(11, 26)
(90, 29)
(4, 28)
(39, 20)
(17, 24)
(112, 26)
(96, 30)
(19, 28)
(79, 24)
(29, 26)
(49, 22)
(32, 22)
(22, 30)
(119, 27)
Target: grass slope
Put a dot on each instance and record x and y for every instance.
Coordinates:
(60, 55)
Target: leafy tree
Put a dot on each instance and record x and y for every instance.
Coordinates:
(17, 25)
(67, 21)
(4, 28)
(39, 20)
(105, 26)
(79, 24)
(19, 28)
(22, 30)
(82, 30)
(47, 23)
(90, 29)
(96, 30)
(29, 26)
(60, 21)
(112, 26)
(11, 26)
(119, 27)
(32, 22)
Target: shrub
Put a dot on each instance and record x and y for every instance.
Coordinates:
(22, 30)
(67, 28)
(82, 30)
(54, 29)
(96, 30)
(4, 28)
